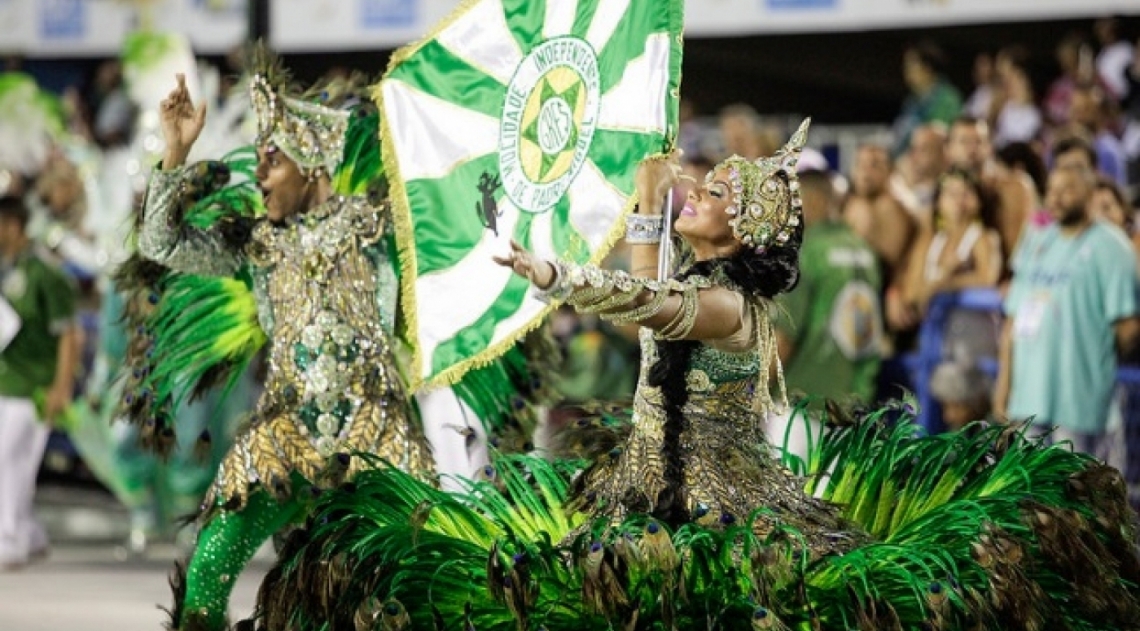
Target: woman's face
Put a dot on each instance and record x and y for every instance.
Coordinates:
(958, 203)
(705, 214)
(1104, 205)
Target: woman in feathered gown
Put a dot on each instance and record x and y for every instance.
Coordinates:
(679, 516)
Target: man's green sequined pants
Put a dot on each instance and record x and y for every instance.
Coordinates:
(226, 544)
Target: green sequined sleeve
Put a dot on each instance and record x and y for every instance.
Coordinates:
(182, 248)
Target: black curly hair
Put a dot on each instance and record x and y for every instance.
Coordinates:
(756, 275)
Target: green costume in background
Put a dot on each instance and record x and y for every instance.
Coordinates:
(679, 517)
(159, 492)
(834, 317)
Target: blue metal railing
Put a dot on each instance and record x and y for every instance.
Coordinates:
(930, 354)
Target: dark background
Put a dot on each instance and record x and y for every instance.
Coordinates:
(834, 77)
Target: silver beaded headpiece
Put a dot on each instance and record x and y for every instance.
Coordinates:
(766, 194)
(311, 135)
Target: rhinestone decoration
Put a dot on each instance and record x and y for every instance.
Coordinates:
(768, 191)
(311, 135)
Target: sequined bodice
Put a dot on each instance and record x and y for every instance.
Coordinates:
(318, 284)
(715, 376)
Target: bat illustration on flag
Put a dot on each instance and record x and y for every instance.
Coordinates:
(525, 120)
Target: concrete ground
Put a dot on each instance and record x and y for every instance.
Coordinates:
(88, 582)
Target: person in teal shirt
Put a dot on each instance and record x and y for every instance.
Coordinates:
(1071, 305)
(37, 370)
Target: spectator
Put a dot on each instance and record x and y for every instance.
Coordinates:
(599, 361)
(1093, 114)
(1115, 56)
(830, 334)
(113, 110)
(744, 134)
(37, 371)
(963, 252)
(1024, 160)
(968, 147)
(1108, 204)
(962, 391)
(1074, 59)
(1021, 161)
(1131, 107)
(932, 98)
(1072, 304)
(916, 173)
(1016, 117)
(980, 102)
(875, 214)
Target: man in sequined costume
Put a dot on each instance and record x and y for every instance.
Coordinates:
(326, 295)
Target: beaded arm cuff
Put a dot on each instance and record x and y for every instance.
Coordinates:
(182, 248)
(614, 296)
(644, 230)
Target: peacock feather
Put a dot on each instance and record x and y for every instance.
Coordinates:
(982, 529)
(188, 334)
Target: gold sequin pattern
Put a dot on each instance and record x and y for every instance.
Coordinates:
(728, 471)
(332, 387)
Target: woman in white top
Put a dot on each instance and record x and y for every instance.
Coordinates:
(1016, 115)
(963, 250)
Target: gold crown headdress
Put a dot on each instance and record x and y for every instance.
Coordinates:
(767, 207)
(312, 135)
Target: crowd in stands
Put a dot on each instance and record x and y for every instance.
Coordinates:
(1025, 189)
(974, 187)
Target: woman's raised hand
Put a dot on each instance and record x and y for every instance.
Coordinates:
(539, 272)
(655, 177)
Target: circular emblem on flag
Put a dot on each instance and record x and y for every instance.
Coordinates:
(548, 122)
(516, 120)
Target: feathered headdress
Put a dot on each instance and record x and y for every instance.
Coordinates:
(332, 128)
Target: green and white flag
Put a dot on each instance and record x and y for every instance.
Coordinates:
(520, 119)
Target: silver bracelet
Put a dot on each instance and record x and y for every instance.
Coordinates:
(559, 289)
(644, 229)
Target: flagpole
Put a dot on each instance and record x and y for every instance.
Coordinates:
(665, 249)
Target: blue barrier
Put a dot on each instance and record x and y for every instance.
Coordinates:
(930, 344)
(929, 356)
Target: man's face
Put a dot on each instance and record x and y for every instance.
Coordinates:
(968, 146)
(914, 73)
(927, 152)
(871, 172)
(284, 189)
(1085, 108)
(1068, 195)
(739, 135)
(1073, 159)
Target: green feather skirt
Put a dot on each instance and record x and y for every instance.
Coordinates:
(981, 529)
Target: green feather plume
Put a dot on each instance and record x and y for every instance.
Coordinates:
(982, 529)
(188, 334)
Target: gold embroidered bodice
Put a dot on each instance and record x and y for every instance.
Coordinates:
(728, 471)
(326, 295)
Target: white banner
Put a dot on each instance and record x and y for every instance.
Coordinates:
(96, 27)
(54, 28)
(328, 25)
